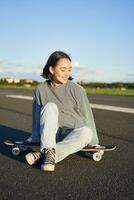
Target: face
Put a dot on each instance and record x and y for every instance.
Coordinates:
(61, 72)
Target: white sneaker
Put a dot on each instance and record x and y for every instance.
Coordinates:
(33, 157)
(48, 163)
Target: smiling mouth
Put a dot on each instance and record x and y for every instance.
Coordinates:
(65, 78)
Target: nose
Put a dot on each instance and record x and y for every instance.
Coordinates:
(67, 75)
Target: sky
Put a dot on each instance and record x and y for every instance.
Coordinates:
(97, 34)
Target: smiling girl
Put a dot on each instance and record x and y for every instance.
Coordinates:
(62, 121)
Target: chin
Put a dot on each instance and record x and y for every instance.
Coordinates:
(64, 81)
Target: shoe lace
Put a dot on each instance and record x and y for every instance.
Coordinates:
(37, 155)
(50, 156)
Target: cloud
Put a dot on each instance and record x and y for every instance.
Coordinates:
(75, 64)
(129, 77)
(89, 73)
(79, 73)
(85, 73)
(19, 71)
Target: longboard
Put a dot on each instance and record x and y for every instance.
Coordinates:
(18, 146)
(98, 152)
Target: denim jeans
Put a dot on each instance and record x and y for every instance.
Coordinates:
(66, 141)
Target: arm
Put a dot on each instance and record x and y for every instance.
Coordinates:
(36, 108)
(86, 111)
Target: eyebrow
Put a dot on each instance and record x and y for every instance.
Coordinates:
(66, 67)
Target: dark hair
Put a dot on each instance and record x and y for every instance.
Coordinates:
(52, 61)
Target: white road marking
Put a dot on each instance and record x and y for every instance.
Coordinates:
(113, 108)
(20, 97)
(96, 106)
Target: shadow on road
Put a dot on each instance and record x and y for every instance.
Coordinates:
(8, 133)
(13, 135)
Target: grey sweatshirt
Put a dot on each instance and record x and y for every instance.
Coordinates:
(72, 102)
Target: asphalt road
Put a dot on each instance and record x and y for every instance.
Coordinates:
(76, 177)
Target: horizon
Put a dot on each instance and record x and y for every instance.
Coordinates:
(98, 35)
(83, 82)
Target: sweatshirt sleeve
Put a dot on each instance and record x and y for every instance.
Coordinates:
(86, 111)
(36, 108)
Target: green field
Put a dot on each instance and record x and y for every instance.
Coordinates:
(107, 91)
(110, 91)
(16, 87)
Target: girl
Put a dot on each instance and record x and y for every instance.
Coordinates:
(62, 118)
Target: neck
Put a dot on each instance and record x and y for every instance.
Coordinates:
(55, 84)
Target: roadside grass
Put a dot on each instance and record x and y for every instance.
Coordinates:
(107, 91)
(16, 87)
(110, 91)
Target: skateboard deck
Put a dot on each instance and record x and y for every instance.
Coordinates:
(98, 152)
(18, 146)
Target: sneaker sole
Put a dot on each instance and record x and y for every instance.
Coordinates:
(29, 160)
(48, 167)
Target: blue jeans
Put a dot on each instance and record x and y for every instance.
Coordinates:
(66, 141)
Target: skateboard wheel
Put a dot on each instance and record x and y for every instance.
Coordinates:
(97, 156)
(15, 151)
(102, 152)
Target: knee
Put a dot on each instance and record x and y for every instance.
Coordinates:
(88, 134)
(50, 106)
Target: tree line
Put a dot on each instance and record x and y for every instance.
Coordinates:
(126, 85)
(21, 83)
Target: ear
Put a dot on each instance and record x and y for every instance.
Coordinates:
(51, 69)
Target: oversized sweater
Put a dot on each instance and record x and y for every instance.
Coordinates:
(72, 102)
